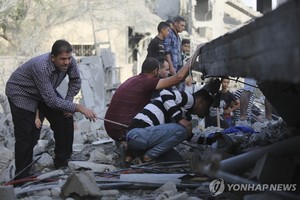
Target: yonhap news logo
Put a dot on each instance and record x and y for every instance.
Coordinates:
(218, 186)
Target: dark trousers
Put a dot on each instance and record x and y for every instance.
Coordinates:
(27, 135)
(63, 130)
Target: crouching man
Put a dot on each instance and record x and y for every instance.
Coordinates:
(165, 122)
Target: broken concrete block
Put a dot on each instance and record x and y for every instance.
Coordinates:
(180, 196)
(274, 169)
(74, 165)
(169, 186)
(45, 160)
(109, 192)
(82, 184)
(7, 193)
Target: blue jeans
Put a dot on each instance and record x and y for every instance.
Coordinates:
(153, 141)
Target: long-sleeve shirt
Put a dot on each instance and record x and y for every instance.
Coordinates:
(36, 80)
(170, 106)
(172, 45)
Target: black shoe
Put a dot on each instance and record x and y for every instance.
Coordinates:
(59, 165)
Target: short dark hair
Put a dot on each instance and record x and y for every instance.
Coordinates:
(149, 65)
(60, 46)
(169, 21)
(224, 77)
(185, 41)
(179, 19)
(162, 25)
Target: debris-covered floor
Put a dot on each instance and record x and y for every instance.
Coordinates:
(94, 171)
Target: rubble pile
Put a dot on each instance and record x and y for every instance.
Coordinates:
(94, 171)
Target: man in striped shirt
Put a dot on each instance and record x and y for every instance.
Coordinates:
(165, 122)
(34, 83)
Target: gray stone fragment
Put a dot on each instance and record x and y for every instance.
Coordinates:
(7, 193)
(82, 184)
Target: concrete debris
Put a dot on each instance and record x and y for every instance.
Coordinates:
(169, 186)
(96, 165)
(98, 155)
(6, 128)
(7, 193)
(95, 151)
(77, 165)
(180, 196)
(82, 184)
(45, 161)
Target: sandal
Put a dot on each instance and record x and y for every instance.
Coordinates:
(146, 161)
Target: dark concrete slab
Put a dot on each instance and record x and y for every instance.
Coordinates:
(268, 48)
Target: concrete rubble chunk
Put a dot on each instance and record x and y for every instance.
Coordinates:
(82, 184)
(7, 193)
(180, 196)
(91, 165)
(169, 186)
(109, 192)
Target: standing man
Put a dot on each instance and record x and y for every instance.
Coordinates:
(156, 47)
(172, 45)
(35, 83)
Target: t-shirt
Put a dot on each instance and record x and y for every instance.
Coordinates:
(156, 49)
(127, 101)
(228, 97)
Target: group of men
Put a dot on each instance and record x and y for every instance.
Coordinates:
(147, 126)
(152, 125)
(31, 89)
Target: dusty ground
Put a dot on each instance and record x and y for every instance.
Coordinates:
(193, 184)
